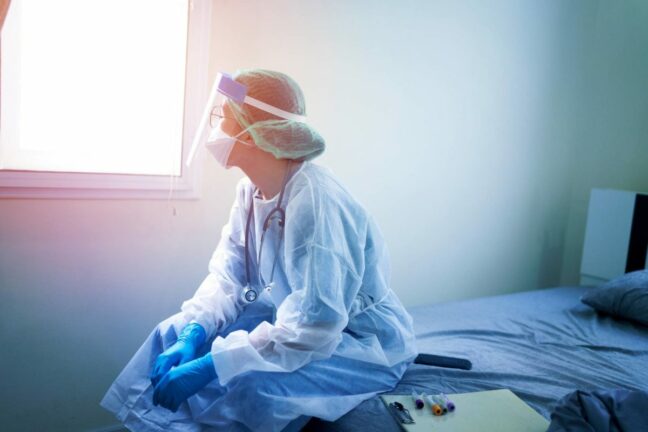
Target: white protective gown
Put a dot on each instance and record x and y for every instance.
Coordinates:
(330, 334)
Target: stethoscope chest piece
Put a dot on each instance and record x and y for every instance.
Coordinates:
(249, 294)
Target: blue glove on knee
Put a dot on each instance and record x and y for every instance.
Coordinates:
(184, 381)
(184, 350)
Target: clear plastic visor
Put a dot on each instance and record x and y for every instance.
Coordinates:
(223, 89)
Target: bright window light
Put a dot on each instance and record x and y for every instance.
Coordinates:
(93, 86)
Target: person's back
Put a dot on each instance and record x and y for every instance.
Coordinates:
(324, 214)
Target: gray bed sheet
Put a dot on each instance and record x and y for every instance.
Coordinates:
(540, 344)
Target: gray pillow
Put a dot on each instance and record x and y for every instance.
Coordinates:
(623, 297)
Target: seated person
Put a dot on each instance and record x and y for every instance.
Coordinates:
(296, 318)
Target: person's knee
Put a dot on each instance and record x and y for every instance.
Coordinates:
(270, 387)
(270, 402)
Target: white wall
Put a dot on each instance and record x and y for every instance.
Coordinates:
(444, 119)
(463, 126)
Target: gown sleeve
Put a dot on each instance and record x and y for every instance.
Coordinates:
(310, 320)
(217, 301)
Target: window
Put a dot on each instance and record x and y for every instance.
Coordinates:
(100, 98)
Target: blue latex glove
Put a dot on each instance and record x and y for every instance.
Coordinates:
(184, 381)
(183, 351)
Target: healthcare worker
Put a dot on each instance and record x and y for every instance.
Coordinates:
(296, 318)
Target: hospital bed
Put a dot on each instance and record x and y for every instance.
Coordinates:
(540, 344)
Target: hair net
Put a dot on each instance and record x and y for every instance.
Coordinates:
(285, 139)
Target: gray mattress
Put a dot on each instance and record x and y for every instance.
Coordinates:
(540, 344)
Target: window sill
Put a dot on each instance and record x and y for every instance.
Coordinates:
(49, 185)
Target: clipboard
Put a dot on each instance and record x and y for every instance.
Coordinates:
(493, 410)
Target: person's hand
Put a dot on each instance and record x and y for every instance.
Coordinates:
(184, 381)
(183, 351)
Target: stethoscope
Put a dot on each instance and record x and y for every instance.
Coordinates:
(249, 293)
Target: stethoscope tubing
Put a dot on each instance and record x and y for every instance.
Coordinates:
(266, 226)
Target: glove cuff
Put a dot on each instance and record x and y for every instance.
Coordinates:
(207, 366)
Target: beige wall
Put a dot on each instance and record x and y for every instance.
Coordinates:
(613, 130)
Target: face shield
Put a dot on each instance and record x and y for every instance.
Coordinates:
(223, 89)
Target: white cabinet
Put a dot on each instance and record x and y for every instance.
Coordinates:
(616, 236)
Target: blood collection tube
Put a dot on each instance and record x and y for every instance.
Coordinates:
(441, 402)
(448, 402)
(418, 402)
(436, 408)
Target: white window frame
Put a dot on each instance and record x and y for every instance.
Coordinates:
(62, 185)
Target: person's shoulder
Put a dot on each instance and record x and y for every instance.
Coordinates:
(334, 210)
(328, 190)
(320, 178)
(316, 181)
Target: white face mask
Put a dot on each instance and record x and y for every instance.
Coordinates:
(220, 145)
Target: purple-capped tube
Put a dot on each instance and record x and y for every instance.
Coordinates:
(448, 402)
(418, 401)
